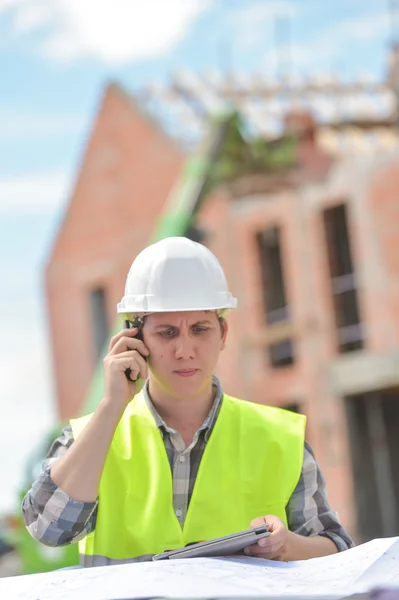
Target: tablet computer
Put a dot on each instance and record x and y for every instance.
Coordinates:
(223, 546)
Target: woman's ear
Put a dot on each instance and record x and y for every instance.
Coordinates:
(224, 329)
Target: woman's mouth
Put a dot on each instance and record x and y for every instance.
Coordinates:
(186, 372)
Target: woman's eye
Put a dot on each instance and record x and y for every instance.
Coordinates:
(167, 333)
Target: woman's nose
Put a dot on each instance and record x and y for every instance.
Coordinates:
(184, 348)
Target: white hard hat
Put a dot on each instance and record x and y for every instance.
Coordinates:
(175, 274)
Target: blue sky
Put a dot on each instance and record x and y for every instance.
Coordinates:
(55, 57)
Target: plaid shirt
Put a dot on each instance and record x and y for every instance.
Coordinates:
(55, 519)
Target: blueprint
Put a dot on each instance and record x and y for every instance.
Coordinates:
(357, 570)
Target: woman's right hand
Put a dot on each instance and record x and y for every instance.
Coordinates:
(125, 352)
(78, 472)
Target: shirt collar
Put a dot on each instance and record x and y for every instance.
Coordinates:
(210, 420)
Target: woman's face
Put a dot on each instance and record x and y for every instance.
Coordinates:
(184, 348)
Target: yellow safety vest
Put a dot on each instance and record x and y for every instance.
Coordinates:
(250, 467)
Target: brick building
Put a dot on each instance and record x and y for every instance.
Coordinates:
(312, 257)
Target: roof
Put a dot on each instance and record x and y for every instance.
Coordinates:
(357, 115)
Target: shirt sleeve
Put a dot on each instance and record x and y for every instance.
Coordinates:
(50, 515)
(308, 510)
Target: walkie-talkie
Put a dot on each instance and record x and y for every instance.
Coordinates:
(139, 336)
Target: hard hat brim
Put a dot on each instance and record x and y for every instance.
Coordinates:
(131, 305)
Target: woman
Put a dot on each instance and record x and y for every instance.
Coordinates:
(179, 461)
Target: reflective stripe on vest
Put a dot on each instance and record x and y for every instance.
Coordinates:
(250, 467)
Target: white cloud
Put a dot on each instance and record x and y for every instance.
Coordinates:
(15, 126)
(113, 31)
(35, 193)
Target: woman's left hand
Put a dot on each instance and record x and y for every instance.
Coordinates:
(275, 545)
